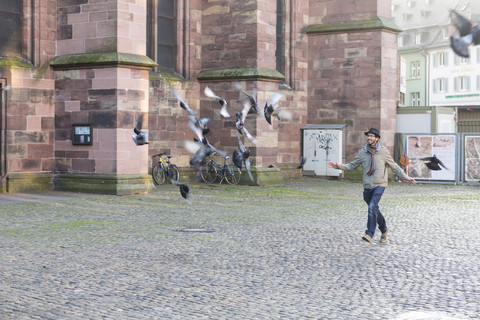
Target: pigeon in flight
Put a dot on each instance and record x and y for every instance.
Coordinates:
(140, 138)
(237, 159)
(283, 115)
(468, 34)
(251, 98)
(303, 160)
(183, 104)
(204, 140)
(198, 157)
(223, 111)
(199, 123)
(184, 190)
(433, 163)
(241, 116)
(240, 124)
(245, 154)
(269, 108)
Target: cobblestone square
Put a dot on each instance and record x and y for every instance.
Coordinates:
(286, 252)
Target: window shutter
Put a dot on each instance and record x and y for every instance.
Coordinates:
(434, 60)
(468, 83)
(455, 83)
(455, 60)
(446, 59)
(434, 85)
(446, 84)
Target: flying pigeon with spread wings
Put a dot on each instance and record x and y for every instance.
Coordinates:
(468, 34)
(432, 163)
(223, 111)
(251, 98)
(199, 123)
(270, 108)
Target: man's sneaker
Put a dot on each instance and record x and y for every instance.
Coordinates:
(383, 238)
(367, 238)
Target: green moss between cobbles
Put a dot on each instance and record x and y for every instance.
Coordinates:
(72, 224)
(116, 219)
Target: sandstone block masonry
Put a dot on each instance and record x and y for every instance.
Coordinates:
(92, 62)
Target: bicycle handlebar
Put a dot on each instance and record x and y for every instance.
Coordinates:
(159, 154)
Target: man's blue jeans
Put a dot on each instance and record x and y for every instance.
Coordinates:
(372, 198)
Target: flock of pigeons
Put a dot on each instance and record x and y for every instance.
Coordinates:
(200, 147)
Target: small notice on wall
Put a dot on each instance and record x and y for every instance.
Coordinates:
(432, 157)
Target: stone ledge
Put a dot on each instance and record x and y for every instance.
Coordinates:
(290, 170)
(262, 177)
(165, 76)
(103, 59)
(28, 182)
(240, 73)
(117, 184)
(380, 23)
(15, 62)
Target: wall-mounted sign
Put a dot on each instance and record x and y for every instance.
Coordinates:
(82, 134)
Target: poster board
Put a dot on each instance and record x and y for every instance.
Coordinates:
(471, 160)
(442, 146)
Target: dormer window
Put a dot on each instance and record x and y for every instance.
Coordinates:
(445, 34)
(418, 38)
(424, 13)
(407, 16)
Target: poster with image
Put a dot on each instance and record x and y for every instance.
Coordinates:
(472, 158)
(431, 157)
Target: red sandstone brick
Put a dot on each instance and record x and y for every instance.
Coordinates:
(39, 151)
(83, 165)
(31, 165)
(47, 165)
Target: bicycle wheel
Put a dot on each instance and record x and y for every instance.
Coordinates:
(173, 173)
(158, 173)
(208, 172)
(232, 174)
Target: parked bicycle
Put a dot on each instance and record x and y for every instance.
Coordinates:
(210, 170)
(164, 168)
